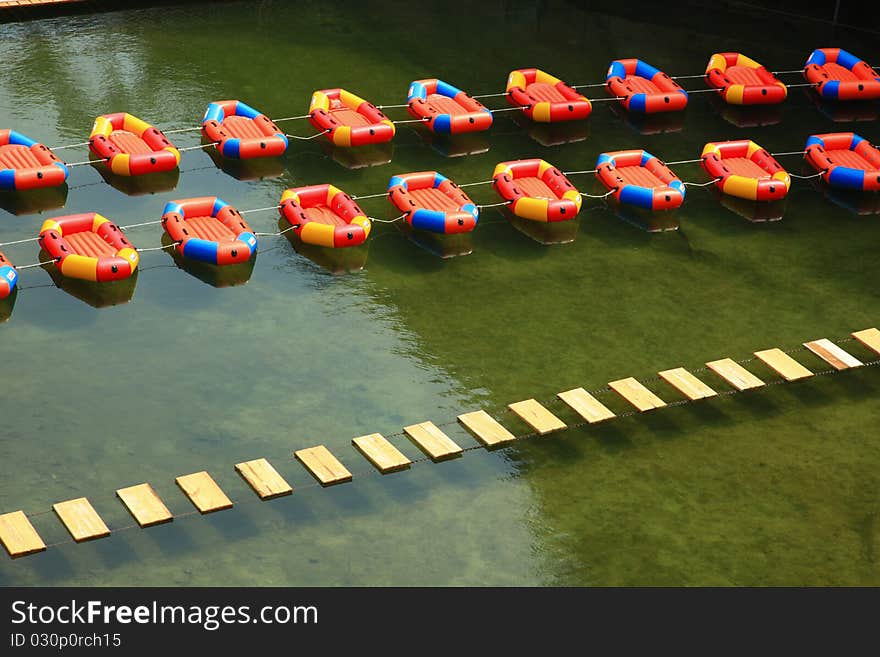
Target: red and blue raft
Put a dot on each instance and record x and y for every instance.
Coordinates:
(742, 168)
(840, 75)
(536, 190)
(644, 89)
(130, 146)
(445, 109)
(240, 132)
(27, 164)
(430, 201)
(348, 120)
(324, 215)
(209, 230)
(89, 247)
(545, 98)
(8, 277)
(847, 160)
(638, 178)
(743, 81)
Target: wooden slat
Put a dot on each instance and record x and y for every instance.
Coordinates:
(786, 366)
(536, 416)
(81, 519)
(637, 394)
(432, 441)
(324, 467)
(18, 535)
(485, 428)
(381, 453)
(143, 503)
(687, 384)
(869, 337)
(203, 492)
(264, 479)
(585, 405)
(735, 374)
(832, 354)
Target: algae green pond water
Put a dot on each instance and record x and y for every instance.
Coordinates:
(777, 486)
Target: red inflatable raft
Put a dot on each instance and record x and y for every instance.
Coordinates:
(324, 215)
(544, 98)
(241, 132)
(638, 178)
(536, 190)
(743, 81)
(8, 277)
(27, 164)
(348, 120)
(744, 169)
(210, 230)
(430, 201)
(846, 160)
(644, 89)
(132, 147)
(89, 247)
(446, 110)
(840, 75)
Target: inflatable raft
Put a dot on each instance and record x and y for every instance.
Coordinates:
(743, 81)
(27, 164)
(445, 109)
(536, 190)
(744, 169)
(840, 75)
(846, 160)
(88, 247)
(324, 215)
(241, 132)
(8, 277)
(643, 88)
(544, 98)
(430, 201)
(638, 178)
(209, 230)
(348, 120)
(130, 146)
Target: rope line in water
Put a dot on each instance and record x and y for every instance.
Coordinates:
(358, 198)
(195, 148)
(158, 248)
(291, 118)
(143, 223)
(37, 264)
(480, 182)
(268, 207)
(387, 221)
(177, 130)
(317, 134)
(704, 184)
(493, 205)
(605, 195)
(61, 148)
(814, 175)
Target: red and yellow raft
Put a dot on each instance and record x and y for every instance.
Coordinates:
(744, 169)
(130, 146)
(545, 98)
(324, 215)
(743, 81)
(536, 190)
(348, 120)
(89, 247)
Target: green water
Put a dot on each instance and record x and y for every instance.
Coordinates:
(775, 487)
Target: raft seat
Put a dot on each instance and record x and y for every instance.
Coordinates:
(742, 166)
(640, 176)
(323, 214)
(848, 158)
(15, 156)
(743, 75)
(838, 72)
(535, 187)
(208, 228)
(433, 199)
(642, 86)
(128, 142)
(90, 244)
(545, 92)
(241, 127)
(349, 117)
(445, 105)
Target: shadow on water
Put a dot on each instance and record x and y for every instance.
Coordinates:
(97, 295)
(337, 261)
(6, 306)
(34, 200)
(151, 183)
(213, 275)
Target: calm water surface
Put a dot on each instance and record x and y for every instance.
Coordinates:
(777, 487)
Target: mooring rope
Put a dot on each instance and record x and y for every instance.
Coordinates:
(480, 182)
(317, 134)
(387, 221)
(814, 175)
(359, 198)
(37, 264)
(605, 195)
(705, 184)
(575, 173)
(59, 148)
(195, 148)
(291, 118)
(144, 223)
(268, 207)
(176, 130)
(159, 248)
(84, 162)
(493, 205)
(29, 239)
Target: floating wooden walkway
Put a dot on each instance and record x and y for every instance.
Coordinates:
(83, 523)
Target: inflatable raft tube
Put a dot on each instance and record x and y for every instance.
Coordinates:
(840, 75)
(209, 230)
(445, 109)
(430, 201)
(88, 247)
(536, 190)
(638, 178)
(130, 146)
(240, 132)
(743, 81)
(27, 164)
(324, 215)
(348, 120)
(847, 160)
(744, 169)
(8, 277)
(545, 98)
(644, 89)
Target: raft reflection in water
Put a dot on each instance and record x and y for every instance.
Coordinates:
(644, 219)
(754, 211)
(32, 201)
(438, 244)
(97, 295)
(213, 275)
(6, 306)
(148, 183)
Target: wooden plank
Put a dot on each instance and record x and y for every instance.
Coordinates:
(786, 366)
(264, 479)
(18, 535)
(381, 453)
(143, 503)
(81, 520)
(203, 492)
(432, 441)
(869, 337)
(536, 416)
(485, 428)
(832, 354)
(687, 384)
(585, 405)
(324, 467)
(637, 394)
(735, 374)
